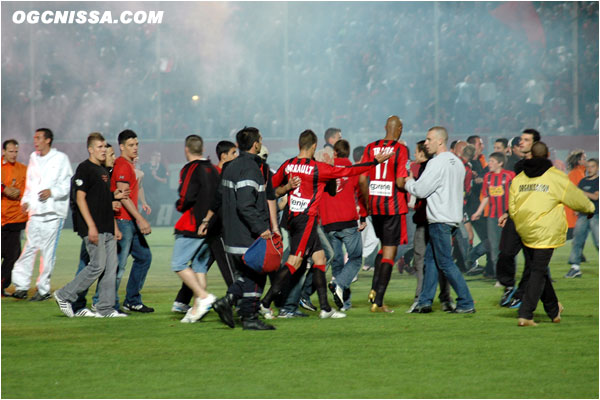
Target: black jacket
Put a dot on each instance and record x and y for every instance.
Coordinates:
(244, 205)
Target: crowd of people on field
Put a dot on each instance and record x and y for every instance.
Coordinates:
(386, 211)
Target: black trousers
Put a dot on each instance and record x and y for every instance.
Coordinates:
(539, 286)
(248, 286)
(11, 250)
(510, 246)
(217, 253)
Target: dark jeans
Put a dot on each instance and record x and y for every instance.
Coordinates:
(248, 287)
(539, 286)
(11, 249)
(480, 227)
(217, 253)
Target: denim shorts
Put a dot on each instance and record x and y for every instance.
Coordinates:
(188, 250)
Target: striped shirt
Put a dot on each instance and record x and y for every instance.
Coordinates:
(385, 198)
(496, 188)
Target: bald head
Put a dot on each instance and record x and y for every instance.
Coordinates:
(459, 147)
(539, 150)
(393, 128)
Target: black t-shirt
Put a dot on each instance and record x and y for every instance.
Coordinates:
(94, 180)
(590, 186)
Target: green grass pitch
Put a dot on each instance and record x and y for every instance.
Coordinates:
(438, 355)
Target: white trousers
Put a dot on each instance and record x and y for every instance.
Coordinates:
(41, 236)
(369, 238)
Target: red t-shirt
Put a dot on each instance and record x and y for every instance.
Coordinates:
(124, 171)
(496, 187)
(384, 197)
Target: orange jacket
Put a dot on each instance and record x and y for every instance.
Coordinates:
(576, 175)
(13, 175)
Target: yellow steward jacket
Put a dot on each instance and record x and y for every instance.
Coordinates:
(537, 200)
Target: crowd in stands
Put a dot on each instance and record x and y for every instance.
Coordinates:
(302, 64)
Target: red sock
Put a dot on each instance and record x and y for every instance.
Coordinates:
(387, 261)
(321, 267)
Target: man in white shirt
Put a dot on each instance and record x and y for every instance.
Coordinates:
(46, 199)
(442, 185)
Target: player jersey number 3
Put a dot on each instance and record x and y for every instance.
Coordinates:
(381, 188)
(297, 203)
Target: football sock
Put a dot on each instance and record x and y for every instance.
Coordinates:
(376, 271)
(384, 278)
(281, 279)
(320, 286)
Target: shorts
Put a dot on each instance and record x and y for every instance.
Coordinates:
(304, 239)
(188, 250)
(390, 229)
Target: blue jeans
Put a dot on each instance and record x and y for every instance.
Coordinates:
(580, 234)
(344, 274)
(439, 255)
(134, 243)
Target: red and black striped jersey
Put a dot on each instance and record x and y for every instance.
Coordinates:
(496, 188)
(314, 175)
(384, 196)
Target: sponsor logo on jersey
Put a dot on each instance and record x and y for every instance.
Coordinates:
(298, 204)
(380, 188)
(496, 191)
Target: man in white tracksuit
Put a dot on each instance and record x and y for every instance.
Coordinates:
(46, 199)
(442, 185)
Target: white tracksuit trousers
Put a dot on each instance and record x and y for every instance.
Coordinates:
(41, 236)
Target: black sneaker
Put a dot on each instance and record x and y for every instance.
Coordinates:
(464, 311)
(40, 297)
(507, 296)
(476, 270)
(422, 309)
(336, 296)
(4, 294)
(514, 303)
(255, 324)
(223, 308)
(20, 294)
(573, 273)
(307, 305)
(448, 306)
(141, 308)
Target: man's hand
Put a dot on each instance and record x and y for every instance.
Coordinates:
(118, 234)
(475, 216)
(146, 208)
(144, 226)
(203, 229)
(25, 208)
(44, 194)
(121, 194)
(383, 157)
(502, 220)
(478, 180)
(93, 235)
(293, 183)
(116, 205)
(12, 192)
(266, 234)
(362, 226)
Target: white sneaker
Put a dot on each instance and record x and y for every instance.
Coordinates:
(112, 314)
(202, 307)
(331, 314)
(84, 312)
(179, 307)
(498, 284)
(412, 307)
(267, 313)
(64, 306)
